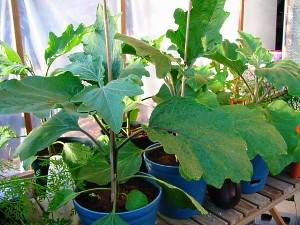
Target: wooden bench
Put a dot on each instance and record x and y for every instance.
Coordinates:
(277, 189)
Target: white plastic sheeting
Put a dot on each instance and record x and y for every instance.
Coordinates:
(149, 18)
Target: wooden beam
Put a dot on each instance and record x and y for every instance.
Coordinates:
(278, 219)
(123, 17)
(20, 51)
(242, 15)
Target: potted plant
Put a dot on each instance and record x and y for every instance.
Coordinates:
(188, 121)
(94, 84)
(260, 82)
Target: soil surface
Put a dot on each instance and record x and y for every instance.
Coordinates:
(100, 200)
(161, 157)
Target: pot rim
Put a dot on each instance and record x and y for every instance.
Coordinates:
(128, 212)
(158, 164)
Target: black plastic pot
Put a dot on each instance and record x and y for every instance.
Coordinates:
(227, 197)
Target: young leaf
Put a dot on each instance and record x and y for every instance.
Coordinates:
(283, 73)
(135, 200)
(86, 67)
(262, 138)
(6, 133)
(110, 219)
(107, 100)
(58, 46)
(10, 54)
(37, 93)
(61, 198)
(227, 55)
(43, 136)
(87, 165)
(161, 61)
(206, 143)
(207, 18)
(177, 196)
(135, 69)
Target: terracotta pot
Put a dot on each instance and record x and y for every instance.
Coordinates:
(295, 170)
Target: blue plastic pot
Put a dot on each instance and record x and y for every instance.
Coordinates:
(170, 174)
(143, 216)
(259, 177)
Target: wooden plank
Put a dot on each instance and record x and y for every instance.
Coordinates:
(231, 216)
(159, 221)
(297, 203)
(284, 187)
(209, 219)
(177, 222)
(257, 199)
(270, 192)
(278, 219)
(286, 178)
(246, 208)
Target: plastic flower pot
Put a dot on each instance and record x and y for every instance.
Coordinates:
(144, 216)
(295, 170)
(228, 196)
(196, 189)
(259, 177)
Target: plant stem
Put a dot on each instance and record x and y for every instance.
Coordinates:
(112, 136)
(265, 94)
(129, 138)
(248, 86)
(91, 137)
(186, 45)
(105, 131)
(156, 147)
(93, 189)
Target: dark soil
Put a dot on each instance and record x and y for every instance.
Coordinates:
(141, 140)
(100, 201)
(161, 157)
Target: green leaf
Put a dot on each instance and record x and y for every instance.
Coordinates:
(206, 143)
(87, 165)
(6, 133)
(207, 18)
(33, 94)
(110, 219)
(177, 196)
(58, 46)
(208, 98)
(262, 138)
(43, 136)
(28, 162)
(283, 73)
(227, 55)
(252, 50)
(11, 55)
(135, 200)
(94, 44)
(86, 67)
(61, 198)
(107, 100)
(285, 119)
(162, 95)
(161, 61)
(135, 69)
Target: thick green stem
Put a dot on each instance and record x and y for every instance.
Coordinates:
(112, 136)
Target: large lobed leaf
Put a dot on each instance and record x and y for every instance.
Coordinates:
(207, 18)
(34, 94)
(262, 138)
(283, 73)
(107, 100)
(206, 143)
(110, 219)
(61, 198)
(58, 46)
(161, 61)
(43, 136)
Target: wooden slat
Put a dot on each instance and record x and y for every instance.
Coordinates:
(257, 199)
(209, 219)
(284, 187)
(286, 178)
(161, 222)
(177, 222)
(246, 208)
(297, 203)
(231, 216)
(270, 193)
(278, 219)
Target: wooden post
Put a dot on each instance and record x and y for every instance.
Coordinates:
(242, 12)
(123, 17)
(278, 219)
(20, 51)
